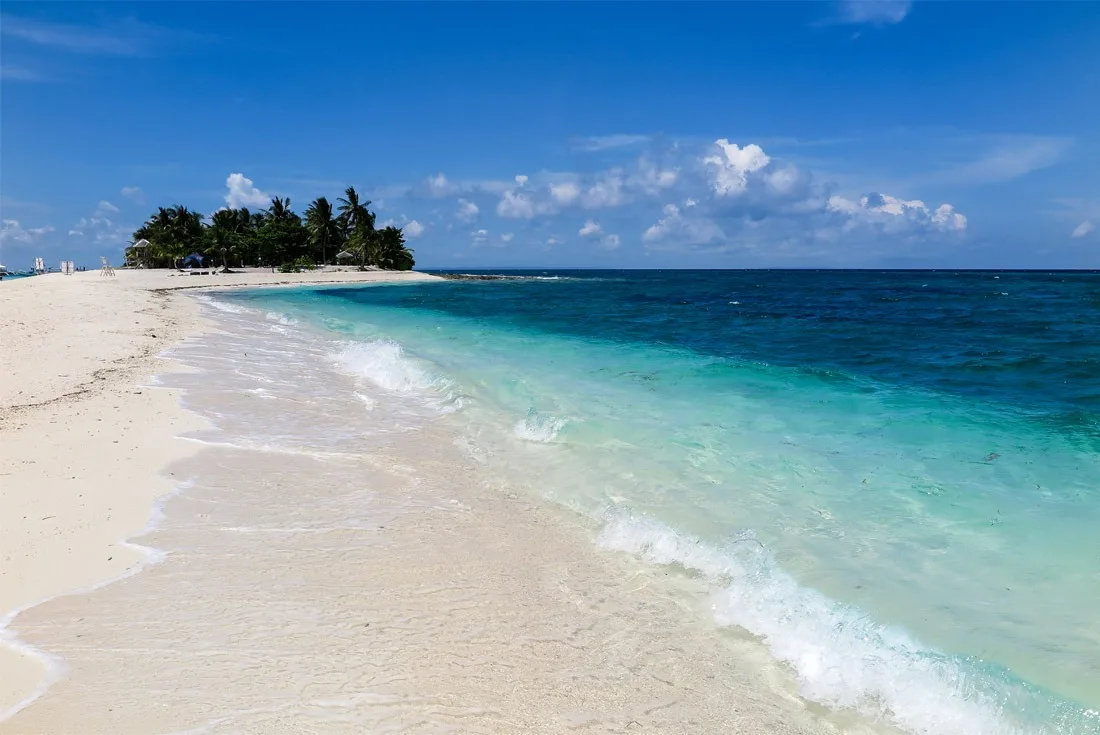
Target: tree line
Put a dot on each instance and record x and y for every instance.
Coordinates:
(275, 237)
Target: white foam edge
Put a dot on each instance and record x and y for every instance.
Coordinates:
(55, 665)
(841, 657)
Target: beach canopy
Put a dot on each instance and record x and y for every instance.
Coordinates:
(194, 259)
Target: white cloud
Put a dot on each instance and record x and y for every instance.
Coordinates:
(507, 237)
(12, 231)
(520, 202)
(893, 215)
(785, 180)
(467, 211)
(755, 198)
(663, 226)
(100, 230)
(591, 227)
(439, 186)
(133, 193)
(413, 229)
(243, 193)
(607, 191)
(565, 193)
(1082, 229)
(875, 12)
(516, 205)
(683, 230)
(593, 230)
(947, 219)
(652, 179)
(733, 164)
(479, 237)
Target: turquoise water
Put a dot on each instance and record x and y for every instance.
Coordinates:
(893, 479)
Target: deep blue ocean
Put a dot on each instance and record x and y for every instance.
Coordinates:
(891, 478)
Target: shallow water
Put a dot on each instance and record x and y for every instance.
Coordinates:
(891, 478)
(332, 562)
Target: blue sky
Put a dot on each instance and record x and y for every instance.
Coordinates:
(893, 134)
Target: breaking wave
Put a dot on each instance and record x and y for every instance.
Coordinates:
(842, 658)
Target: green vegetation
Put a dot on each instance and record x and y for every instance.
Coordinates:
(275, 237)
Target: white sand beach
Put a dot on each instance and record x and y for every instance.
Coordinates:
(82, 441)
(324, 589)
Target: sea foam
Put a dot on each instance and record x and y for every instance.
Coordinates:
(842, 658)
(538, 427)
(383, 362)
(221, 305)
(281, 318)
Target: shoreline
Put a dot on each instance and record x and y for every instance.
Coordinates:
(83, 441)
(404, 586)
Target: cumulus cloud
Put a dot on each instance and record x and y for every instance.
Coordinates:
(875, 12)
(100, 229)
(467, 211)
(12, 231)
(592, 230)
(133, 193)
(591, 227)
(507, 237)
(741, 195)
(439, 186)
(519, 202)
(516, 205)
(688, 230)
(243, 193)
(731, 166)
(527, 200)
(727, 195)
(652, 179)
(1083, 229)
(565, 193)
(606, 191)
(413, 229)
(893, 215)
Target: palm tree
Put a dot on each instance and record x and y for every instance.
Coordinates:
(280, 209)
(353, 213)
(359, 224)
(223, 234)
(323, 227)
(172, 232)
(392, 253)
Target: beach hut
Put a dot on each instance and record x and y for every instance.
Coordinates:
(345, 257)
